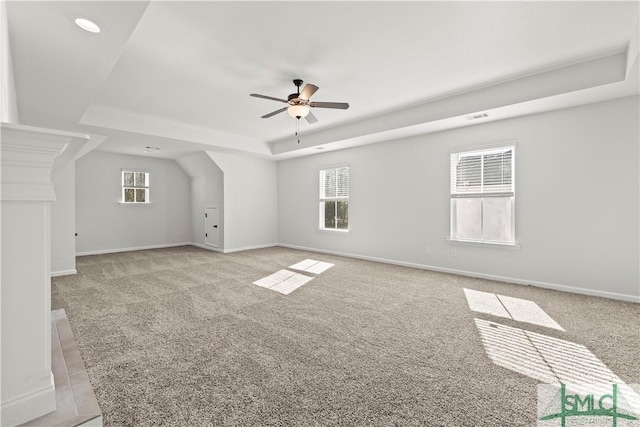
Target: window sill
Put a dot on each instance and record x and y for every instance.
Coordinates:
(134, 203)
(512, 246)
(333, 230)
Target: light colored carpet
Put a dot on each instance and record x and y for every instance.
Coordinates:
(181, 336)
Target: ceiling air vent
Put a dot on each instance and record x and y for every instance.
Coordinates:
(477, 116)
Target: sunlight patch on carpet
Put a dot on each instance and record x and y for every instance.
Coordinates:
(524, 310)
(283, 281)
(550, 360)
(521, 310)
(312, 266)
(484, 302)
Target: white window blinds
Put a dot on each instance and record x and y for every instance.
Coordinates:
(334, 183)
(482, 172)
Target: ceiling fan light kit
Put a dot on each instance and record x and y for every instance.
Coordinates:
(298, 111)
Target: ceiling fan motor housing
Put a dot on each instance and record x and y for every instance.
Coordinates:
(293, 99)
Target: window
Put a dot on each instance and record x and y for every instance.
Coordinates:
(135, 187)
(334, 199)
(482, 195)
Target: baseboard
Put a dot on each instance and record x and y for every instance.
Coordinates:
(209, 248)
(228, 251)
(138, 248)
(249, 248)
(63, 273)
(172, 245)
(517, 281)
(29, 406)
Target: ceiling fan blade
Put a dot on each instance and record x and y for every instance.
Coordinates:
(338, 105)
(273, 113)
(308, 91)
(311, 118)
(267, 97)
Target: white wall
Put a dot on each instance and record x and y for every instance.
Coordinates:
(250, 201)
(577, 206)
(103, 224)
(207, 189)
(63, 221)
(8, 100)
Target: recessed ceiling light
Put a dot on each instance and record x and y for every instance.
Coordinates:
(87, 25)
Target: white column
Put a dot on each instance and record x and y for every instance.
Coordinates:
(27, 157)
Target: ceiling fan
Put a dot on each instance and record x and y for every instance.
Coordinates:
(299, 104)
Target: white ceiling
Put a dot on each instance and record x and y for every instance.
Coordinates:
(177, 75)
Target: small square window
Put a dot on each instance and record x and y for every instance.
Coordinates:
(135, 187)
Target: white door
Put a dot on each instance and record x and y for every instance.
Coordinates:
(211, 232)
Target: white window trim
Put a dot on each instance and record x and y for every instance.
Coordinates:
(479, 243)
(135, 203)
(332, 231)
(484, 147)
(320, 229)
(485, 243)
(145, 203)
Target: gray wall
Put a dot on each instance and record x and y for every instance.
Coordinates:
(63, 221)
(250, 201)
(577, 186)
(207, 189)
(103, 224)
(8, 98)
